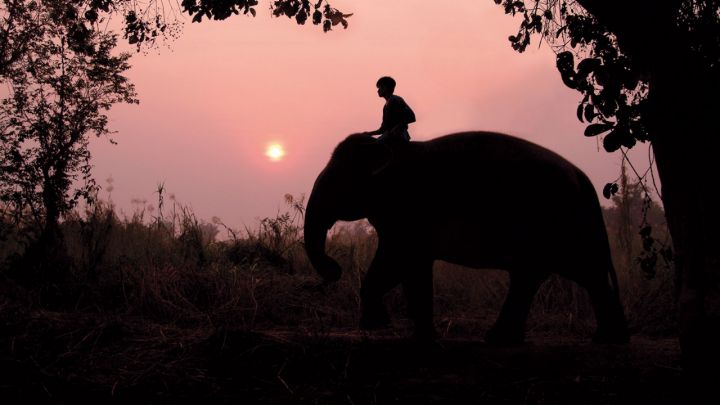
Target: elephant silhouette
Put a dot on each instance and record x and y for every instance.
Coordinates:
(478, 199)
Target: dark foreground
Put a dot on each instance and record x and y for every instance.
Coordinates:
(61, 358)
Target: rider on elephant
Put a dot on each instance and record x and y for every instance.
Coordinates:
(396, 114)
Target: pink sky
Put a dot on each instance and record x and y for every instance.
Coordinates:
(211, 103)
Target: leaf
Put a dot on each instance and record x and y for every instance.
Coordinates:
(590, 112)
(627, 140)
(612, 141)
(601, 76)
(301, 17)
(337, 17)
(565, 65)
(188, 5)
(597, 129)
(609, 190)
(587, 66)
(638, 131)
(560, 31)
(536, 23)
(565, 61)
(91, 15)
(580, 112)
(607, 105)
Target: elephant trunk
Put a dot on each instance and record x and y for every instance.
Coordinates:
(317, 223)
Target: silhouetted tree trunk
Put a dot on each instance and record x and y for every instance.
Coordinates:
(685, 131)
(686, 146)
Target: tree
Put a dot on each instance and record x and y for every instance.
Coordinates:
(61, 85)
(649, 71)
(63, 77)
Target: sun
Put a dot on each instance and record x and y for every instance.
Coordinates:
(275, 152)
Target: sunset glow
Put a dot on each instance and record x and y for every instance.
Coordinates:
(275, 152)
(272, 132)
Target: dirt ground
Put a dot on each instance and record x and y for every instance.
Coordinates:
(120, 361)
(350, 369)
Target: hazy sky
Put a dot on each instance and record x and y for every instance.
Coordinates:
(212, 103)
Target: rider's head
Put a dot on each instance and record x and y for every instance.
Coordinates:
(385, 86)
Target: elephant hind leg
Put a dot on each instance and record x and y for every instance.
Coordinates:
(609, 313)
(509, 329)
(418, 289)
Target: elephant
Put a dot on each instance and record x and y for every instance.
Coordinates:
(477, 199)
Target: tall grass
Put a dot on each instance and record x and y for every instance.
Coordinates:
(168, 266)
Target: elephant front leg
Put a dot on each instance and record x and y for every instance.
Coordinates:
(381, 277)
(509, 329)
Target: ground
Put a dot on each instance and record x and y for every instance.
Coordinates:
(66, 358)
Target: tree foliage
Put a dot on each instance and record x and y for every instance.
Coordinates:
(589, 60)
(319, 12)
(611, 70)
(613, 76)
(60, 89)
(146, 22)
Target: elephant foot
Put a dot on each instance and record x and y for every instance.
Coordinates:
(376, 318)
(425, 334)
(426, 343)
(611, 336)
(503, 337)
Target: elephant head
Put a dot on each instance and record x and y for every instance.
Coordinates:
(342, 192)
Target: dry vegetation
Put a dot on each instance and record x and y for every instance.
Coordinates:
(159, 304)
